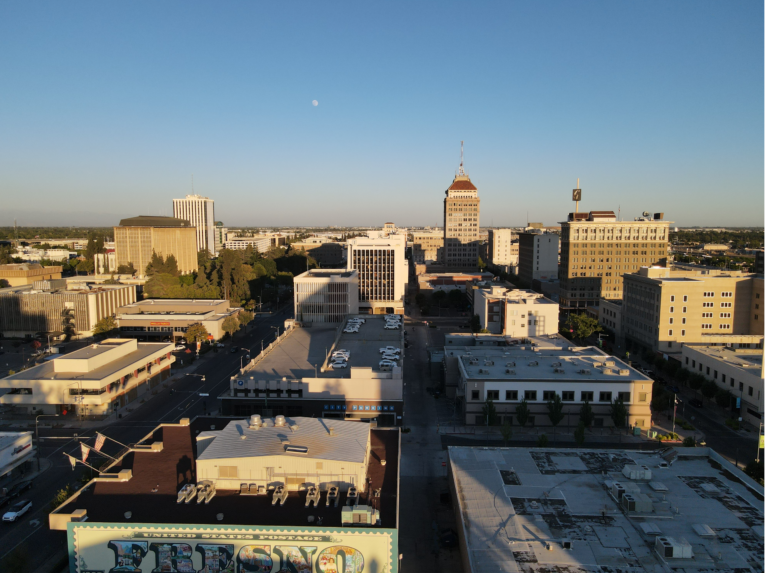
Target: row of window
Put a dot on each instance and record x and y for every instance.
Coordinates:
(565, 396)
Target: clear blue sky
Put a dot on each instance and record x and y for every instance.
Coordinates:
(107, 108)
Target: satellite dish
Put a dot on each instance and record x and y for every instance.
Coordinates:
(646, 214)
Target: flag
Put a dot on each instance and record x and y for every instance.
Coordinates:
(72, 460)
(100, 439)
(84, 449)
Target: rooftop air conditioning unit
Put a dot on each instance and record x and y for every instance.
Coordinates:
(624, 372)
(636, 472)
(610, 363)
(668, 548)
(279, 421)
(255, 422)
(607, 370)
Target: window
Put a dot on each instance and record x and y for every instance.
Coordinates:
(670, 333)
(685, 298)
(624, 397)
(707, 370)
(726, 294)
(587, 396)
(475, 394)
(749, 390)
(685, 309)
(568, 396)
(725, 315)
(682, 333)
(726, 304)
(672, 298)
(741, 386)
(715, 376)
(605, 396)
(708, 304)
(671, 309)
(709, 294)
(530, 395)
(511, 395)
(671, 321)
(549, 395)
(642, 396)
(684, 320)
(227, 471)
(706, 327)
(725, 326)
(492, 395)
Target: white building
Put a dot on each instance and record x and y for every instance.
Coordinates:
(325, 295)
(539, 256)
(260, 244)
(515, 312)
(499, 247)
(198, 211)
(15, 449)
(383, 272)
(610, 312)
(105, 263)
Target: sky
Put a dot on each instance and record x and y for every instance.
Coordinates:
(111, 109)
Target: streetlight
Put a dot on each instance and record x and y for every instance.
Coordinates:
(278, 332)
(37, 439)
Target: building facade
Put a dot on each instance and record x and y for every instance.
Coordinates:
(539, 256)
(427, 247)
(382, 272)
(666, 308)
(515, 312)
(198, 211)
(499, 247)
(461, 224)
(138, 237)
(609, 315)
(28, 273)
(597, 251)
(325, 296)
(327, 253)
(168, 318)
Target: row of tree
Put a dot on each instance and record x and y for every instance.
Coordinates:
(738, 239)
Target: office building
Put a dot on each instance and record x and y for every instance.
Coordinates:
(327, 253)
(499, 247)
(168, 318)
(665, 308)
(465, 282)
(760, 261)
(241, 496)
(219, 236)
(507, 375)
(294, 376)
(597, 251)
(461, 223)
(609, 315)
(27, 273)
(198, 211)
(382, 272)
(515, 312)
(104, 263)
(57, 307)
(611, 510)
(539, 256)
(260, 243)
(94, 380)
(137, 238)
(427, 247)
(325, 295)
(16, 455)
(32, 255)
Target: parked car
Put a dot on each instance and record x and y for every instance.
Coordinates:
(181, 347)
(389, 349)
(19, 488)
(340, 358)
(17, 510)
(219, 345)
(338, 365)
(233, 350)
(391, 327)
(696, 403)
(390, 357)
(387, 365)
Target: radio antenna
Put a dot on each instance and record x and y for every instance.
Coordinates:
(461, 165)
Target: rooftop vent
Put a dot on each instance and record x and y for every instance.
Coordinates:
(255, 422)
(296, 449)
(331, 431)
(279, 421)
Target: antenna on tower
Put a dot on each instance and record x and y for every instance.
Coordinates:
(461, 165)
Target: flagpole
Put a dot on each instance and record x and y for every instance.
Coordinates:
(81, 462)
(92, 449)
(112, 439)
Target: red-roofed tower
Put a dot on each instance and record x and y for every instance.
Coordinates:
(461, 222)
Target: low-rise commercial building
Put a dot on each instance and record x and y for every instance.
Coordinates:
(154, 319)
(327, 253)
(573, 510)
(137, 238)
(294, 377)
(539, 256)
(536, 371)
(325, 295)
(515, 312)
(610, 312)
(28, 273)
(242, 496)
(260, 243)
(58, 307)
(91, 381)
(30, 255)
(16, 451)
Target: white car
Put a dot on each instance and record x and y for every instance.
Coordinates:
(17, 510)
(339, 358)
(392, 327)
(389, 349)
(340, 353)
(181, 347)
(387, 364)
(351, 331)
(219, 345)
(390, 357)
(338, 365)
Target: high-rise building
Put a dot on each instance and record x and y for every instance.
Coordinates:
(198, 211)
(138, 237)
(219, 236)
(427, 247)
(539, 253)
(499, 247)
(325, 295)
(461, 222)
(596, 251)
(383, 272)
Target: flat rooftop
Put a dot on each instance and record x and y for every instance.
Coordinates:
(327, 274)
(516, 502)
(746, 359)
(150, 494)
(557, 363)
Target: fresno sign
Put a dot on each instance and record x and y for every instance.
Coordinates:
(102, 548)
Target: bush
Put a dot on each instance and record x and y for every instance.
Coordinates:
(732, 424)
(709, 389)
(689, 442)
(756, 470)
(669, 437)
(683, 424)
(61, 496)
(696, 381)
(671, 367)
(543, 441)
(723, 398)
(682, 374)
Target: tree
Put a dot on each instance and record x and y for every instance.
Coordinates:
(522, 413)
(230, 325)
(171, 266)
(245, 317)
(489, 413)
(709, 389)
(689, 442)
(578, 434)
(85, 266)
(62, 495)
(682, 375)
(456, 298)
(619, 413)
(723, 398)
(555, 412)
(756, 471)
(438, 297)
(106, 327)
(671, 367)
(481, 264)
(506, 431)
(196, 333)
(696, 381)
(475, 323)
(36, 344)
(4, 283)
(586, 416)
(126, 269)
(582, 325)
(543, 441)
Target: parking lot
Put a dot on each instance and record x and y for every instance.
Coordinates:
(363, 346)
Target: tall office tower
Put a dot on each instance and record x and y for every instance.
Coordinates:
(461, 226)
(137, 238)
(499, 247)
(596, 251)
(199, 212)
(383, 272)
(538, 256)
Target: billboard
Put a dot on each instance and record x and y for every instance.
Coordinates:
(147, 548)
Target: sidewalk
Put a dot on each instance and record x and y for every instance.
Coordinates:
(529, 434)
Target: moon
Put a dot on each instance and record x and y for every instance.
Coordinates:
(314, 102)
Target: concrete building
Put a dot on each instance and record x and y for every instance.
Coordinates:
(597, 251)
(30, 255)
(58, 307)
(577, 510)
(666, 308)
(138, 237)
(104, 263)
(218, 506)
(382, 272)
(27, 273)
(461, 223)
(327, 253)
(737, 364)
(294, 377)
(515, 312)
(510, 374)
(198, 211)
(427, 247)
(609, 315)
(539, 256)
(154, 319)
(91, 381)
(430, 282)
(325, 295)
(499, 247)
(219, 236)
(260, 244)
(16, 454)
